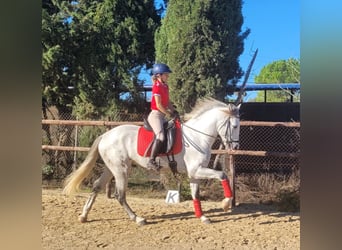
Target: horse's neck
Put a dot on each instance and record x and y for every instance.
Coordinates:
(203, 128)
(206, 122)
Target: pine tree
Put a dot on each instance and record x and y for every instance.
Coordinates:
(201, 41)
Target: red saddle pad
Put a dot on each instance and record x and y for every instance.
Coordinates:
(145, 138)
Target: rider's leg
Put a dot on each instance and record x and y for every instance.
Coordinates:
(156, 149)
(156, 120)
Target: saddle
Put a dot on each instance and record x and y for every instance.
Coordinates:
(172, 144)
(169, 132)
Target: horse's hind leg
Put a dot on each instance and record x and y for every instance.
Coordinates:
(109, 187)
(121, 183)
(98, 185)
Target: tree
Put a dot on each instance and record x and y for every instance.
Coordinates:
(92, 52)
(55, 40)
(281, 71)
(201, 41)
(97, 48)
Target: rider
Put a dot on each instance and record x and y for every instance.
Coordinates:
(160, 107)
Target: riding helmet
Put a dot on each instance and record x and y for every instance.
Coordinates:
(160, 68)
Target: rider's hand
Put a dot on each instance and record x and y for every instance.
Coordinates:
(174, 114)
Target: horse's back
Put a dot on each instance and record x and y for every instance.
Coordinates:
(121, 144)
(119, 138)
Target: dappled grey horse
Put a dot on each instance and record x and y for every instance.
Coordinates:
(118, 149)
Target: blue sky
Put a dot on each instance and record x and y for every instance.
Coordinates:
(275, 31)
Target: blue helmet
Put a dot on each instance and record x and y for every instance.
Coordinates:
(160, 68)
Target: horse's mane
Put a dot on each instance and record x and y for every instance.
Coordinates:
(204, 104)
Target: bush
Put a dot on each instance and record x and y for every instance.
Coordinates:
(272, 189)
(288, 201)
(47, 172)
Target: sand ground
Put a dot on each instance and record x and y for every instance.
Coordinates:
(170, 226)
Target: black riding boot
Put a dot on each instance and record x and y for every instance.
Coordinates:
(156, 148)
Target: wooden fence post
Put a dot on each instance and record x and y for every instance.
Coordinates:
(74, 165)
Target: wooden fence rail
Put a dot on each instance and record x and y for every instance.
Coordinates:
(214, 151)
(139, 123)
(87, 123)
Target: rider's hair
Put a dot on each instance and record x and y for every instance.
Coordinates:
(155, 77)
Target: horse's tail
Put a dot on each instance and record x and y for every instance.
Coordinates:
(74, 180)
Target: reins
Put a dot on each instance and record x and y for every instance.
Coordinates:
(190, 141)
(183, 124)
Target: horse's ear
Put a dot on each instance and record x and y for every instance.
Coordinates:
(238, 106)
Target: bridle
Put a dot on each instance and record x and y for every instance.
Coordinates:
(228, 131)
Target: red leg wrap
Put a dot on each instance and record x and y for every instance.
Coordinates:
(226, 188)
(198, 209)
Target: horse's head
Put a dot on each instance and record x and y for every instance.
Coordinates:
(223, 118)
(229, 127)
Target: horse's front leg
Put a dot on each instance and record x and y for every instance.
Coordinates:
(207, 173)
(228, 200)
(194, 186)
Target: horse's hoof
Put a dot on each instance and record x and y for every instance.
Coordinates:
(205, 220)
(140, 221)
(82, 219)
(227, 204)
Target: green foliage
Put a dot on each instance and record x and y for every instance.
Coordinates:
(201, 42)
(47, 172)
(87, 135)
(98, 48)
(282, 71)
